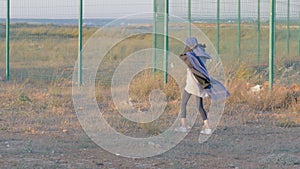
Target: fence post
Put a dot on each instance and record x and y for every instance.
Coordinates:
(7, 40)
(258, 32)
(288, 30)
(299, 36)
(218, 30)
(272, 43)
(189, 18)
(154, 37)
(239, 28)
(166, 39)
(80, 44)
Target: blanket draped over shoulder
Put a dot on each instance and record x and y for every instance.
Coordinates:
(215, 89)
(200, 72)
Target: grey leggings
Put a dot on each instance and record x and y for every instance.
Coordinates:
(185, 98)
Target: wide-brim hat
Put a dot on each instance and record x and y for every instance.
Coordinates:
(198, 49)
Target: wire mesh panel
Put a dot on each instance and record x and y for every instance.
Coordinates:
(287, 59)
(2, 37)
(115, 8)
(43, 39)
(244, 30)
(44, 33)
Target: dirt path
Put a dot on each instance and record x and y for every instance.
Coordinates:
(254, 146)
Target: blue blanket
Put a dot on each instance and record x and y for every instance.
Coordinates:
(218, 91)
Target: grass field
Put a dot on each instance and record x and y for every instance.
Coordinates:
(52, 47)
(39, 127)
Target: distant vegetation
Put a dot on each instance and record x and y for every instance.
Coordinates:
(51, 46)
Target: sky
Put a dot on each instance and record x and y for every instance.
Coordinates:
(120, 8)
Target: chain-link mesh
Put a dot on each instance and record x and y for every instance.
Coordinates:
(44, 33)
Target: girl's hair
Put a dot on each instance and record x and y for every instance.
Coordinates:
(187, 49)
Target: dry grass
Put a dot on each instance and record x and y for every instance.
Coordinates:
(139, 91)
(280, 104)
(146, 81)
(36, 105)
(30, 108)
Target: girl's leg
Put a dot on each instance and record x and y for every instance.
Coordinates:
(184, 100)
(202, 111)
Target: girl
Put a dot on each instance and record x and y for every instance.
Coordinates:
(198, 82)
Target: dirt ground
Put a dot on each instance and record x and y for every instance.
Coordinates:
(39, 129)
(256, 145)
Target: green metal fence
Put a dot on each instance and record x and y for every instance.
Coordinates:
(240, 31)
